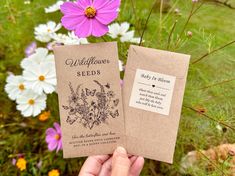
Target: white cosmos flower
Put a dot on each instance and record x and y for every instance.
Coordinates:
(31, 103)
(70, 39)
(40, 78)
(43, 32)
(15, 86)
(116, 31)
(55, 7)
(40, 56)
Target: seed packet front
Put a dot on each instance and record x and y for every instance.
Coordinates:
(153, 92)
(90, 101)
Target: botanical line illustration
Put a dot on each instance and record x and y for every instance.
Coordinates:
(91, 107)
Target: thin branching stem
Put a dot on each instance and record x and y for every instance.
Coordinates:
(192, 12)
(170, 35)
(211, 162)
(160, 20)
(146, 23)
(135, 14)
(211, 118)
(213, 51)
(104, 39)
(216, 84)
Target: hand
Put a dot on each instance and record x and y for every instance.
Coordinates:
(117, 165)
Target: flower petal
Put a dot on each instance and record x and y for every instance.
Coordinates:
(52, 145)
(111, 5)
(36, 110)
(99, 3)
(51, 132)
(28, 112)
(57, 127)
(84, 3)
(71, 21)
(84, 29)
(59, 146)
(106, 17)
(114, 30)
(50, 138)
(71, 8)
(124, 28)
(99, 29)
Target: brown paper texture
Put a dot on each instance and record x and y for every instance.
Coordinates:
(153, 92)
(90, 99)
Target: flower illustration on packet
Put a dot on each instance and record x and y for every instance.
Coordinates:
(91, 107)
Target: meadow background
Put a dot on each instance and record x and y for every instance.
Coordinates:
(208, 113)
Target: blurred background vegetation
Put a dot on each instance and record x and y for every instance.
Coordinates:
(208, 117)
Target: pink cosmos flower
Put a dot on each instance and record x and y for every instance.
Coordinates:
(53, 138)
(89, 17)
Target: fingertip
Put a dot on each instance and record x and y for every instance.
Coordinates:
(137, 166)
(140, 161)
(121, 150)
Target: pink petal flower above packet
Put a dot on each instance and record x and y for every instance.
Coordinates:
(89, 17)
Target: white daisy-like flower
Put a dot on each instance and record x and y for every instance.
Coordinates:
(40, 56)
(120, 64)
(55, 7)
(40, 78)
(116, 31)
(59, 38)
(70, 39)
(15, 86)
(31, 103)
(43, 32)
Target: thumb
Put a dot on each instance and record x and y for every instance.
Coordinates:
(120, 163)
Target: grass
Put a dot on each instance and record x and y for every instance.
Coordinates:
(212, 26)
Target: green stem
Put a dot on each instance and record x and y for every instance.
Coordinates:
(170, 35)
(216, 84)
(160, 21)
(213, 51)
(212, 162)
(146, 24)
(192, 12)
(211, 118)
(134, 11)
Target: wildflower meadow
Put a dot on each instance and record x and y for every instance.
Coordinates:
(30, 132)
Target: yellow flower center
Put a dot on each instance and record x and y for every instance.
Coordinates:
(54, 172)
(21, 87)
(31, 102)
(21, 164)
(57, 137)
(48, 30)
(90, 12)
(41, 78)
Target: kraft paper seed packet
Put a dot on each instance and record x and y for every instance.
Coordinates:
(90, 100)
(153, 92)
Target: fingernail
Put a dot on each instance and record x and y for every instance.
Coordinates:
(121, 150)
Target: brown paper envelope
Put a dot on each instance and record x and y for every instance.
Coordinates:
(90, 101)
(149, 133)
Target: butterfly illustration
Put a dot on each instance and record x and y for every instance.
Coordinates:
(89, 92)
(107, 85)
(115, 114)
(115, 102)
(71, 120)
